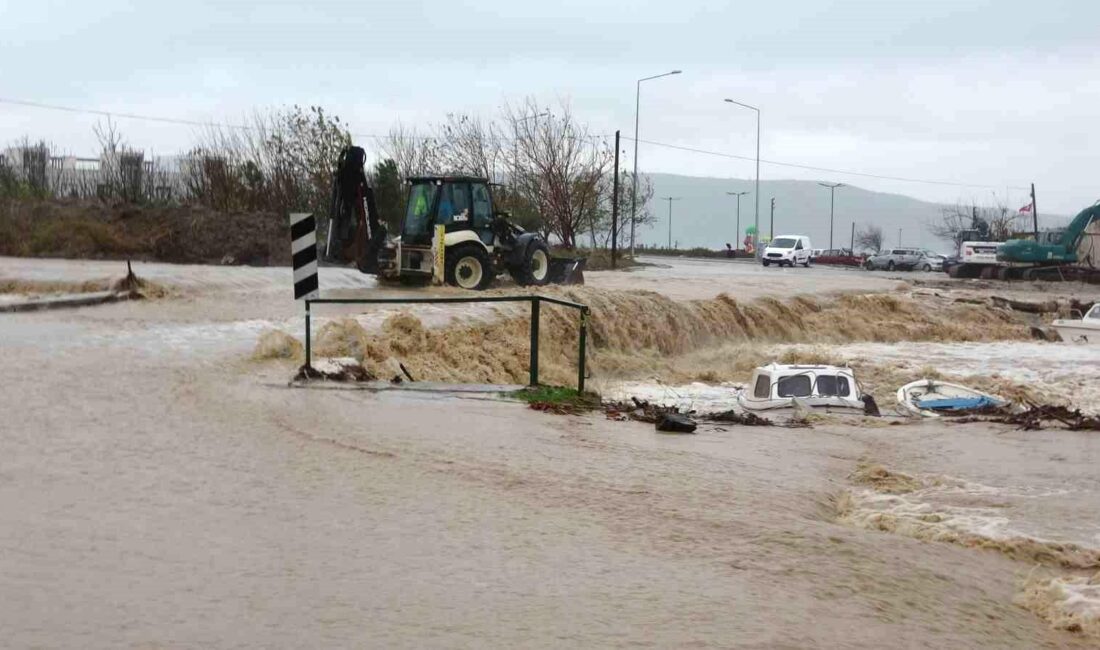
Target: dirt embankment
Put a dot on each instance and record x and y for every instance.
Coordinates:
(95, 230)
(638, 333)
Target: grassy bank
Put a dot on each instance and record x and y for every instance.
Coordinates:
(97, 230)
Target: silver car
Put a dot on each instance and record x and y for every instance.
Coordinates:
(931, 261)
(895, 259)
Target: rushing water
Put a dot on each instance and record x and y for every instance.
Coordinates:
(179, 495)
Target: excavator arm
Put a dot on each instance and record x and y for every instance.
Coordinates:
(355, 233)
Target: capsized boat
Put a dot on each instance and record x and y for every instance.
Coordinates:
(931, 398)
(777, 386)
(1083, 330)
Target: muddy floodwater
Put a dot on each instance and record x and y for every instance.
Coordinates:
(159, 487)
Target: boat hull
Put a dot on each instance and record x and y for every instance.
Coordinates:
(1077, 333)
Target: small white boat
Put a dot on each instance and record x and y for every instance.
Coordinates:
(1083, 330)
(777, 386)
(930, 398)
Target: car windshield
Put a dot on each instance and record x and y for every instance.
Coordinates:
(783, 242)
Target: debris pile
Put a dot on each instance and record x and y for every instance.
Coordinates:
(343, 371)
(1036, 415)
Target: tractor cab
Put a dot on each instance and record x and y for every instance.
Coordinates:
(455, 202)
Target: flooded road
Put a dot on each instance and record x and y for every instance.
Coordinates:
(157, 488)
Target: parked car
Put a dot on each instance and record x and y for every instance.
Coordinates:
(815, 253)
(789, 250)
(839, 257)
(905, 259)
(931, 261)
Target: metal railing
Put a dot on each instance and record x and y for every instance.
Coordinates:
(536, 301)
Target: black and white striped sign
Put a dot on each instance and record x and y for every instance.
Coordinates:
(303, 250)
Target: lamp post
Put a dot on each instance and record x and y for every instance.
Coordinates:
(634, 179)
(832, 192)
(737, 235)
(756, 193)
(670, 199)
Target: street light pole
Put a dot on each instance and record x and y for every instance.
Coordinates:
(670, 199)
(737, 235)
(756, 235)
(634, 178)
(832, 192)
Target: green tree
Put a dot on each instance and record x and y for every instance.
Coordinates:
(389, 193)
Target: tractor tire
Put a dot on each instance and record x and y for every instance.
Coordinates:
(534, 271)
(468, 266)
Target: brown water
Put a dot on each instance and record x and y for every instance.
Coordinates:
(159, 488)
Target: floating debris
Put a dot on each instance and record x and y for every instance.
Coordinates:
(675, 423)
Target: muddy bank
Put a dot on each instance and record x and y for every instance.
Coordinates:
(96, 230)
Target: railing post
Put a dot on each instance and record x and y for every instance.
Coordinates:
(309, 354)
(534, 379)
(582, 344)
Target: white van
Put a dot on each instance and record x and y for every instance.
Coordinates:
(789, 250)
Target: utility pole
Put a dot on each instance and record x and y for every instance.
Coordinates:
(1034, 212)
(670, 199)
(771, 235)
(852, 246)
(899, 237)
(615, 206)
(737, 235)
(832, 194)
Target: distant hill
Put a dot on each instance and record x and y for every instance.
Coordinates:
(705, 216)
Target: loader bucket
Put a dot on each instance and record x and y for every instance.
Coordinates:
(567, 270)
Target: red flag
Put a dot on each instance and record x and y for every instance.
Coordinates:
(1026, 208)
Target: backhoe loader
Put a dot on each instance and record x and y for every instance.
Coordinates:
(449, 215)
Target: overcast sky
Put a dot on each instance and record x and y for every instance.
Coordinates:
(992, 93)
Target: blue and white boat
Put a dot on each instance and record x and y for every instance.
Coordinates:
(932, 398)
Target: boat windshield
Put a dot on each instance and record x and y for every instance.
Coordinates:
(763, 388)
(795, 386)
(832, 386)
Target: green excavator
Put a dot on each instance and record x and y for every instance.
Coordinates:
(1052, 254)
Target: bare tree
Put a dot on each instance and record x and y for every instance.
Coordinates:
(561, 169)
(415, 154)
(869, 238)
(988, 223)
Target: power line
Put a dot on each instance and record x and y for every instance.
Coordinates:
(821, 169)
(241, 127)
(147, 118)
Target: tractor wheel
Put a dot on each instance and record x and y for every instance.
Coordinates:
(535, 268)
(468, 267)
